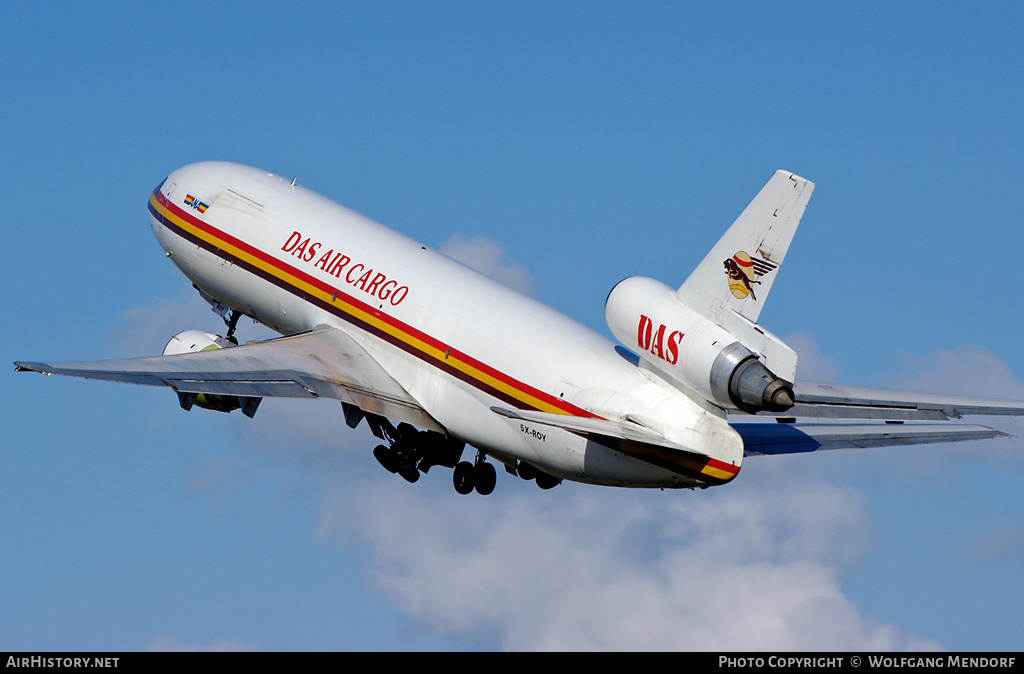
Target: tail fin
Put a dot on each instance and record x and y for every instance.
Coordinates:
(739, 271)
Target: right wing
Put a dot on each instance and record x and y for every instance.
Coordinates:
(322, 363)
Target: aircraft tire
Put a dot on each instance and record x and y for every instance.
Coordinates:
(462, 477)
(409, 472)
(526, 471)
(387, 457)
(545, 481)
(486, 477)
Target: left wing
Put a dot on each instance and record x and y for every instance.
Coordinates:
(322, 363)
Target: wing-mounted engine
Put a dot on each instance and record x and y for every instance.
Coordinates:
(191, 341)
(729, 369)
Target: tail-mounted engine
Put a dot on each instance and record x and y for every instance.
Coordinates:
(191, 341)
(645, 315)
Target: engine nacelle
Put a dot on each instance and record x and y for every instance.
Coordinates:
(194, 340)
(191, 341)
(646, 315)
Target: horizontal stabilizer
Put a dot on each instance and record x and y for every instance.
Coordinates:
(775, 438)
(837, 401)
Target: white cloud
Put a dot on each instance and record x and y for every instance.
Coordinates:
(488, 258)
(599, 569)
(145, 330)
(966, 370)
(812, 364)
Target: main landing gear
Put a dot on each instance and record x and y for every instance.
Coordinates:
(529, 472)
(410, 452)
(478, 475)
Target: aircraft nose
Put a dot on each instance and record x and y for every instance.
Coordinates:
(182, 193)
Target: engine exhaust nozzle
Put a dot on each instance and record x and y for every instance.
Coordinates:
(738, 377)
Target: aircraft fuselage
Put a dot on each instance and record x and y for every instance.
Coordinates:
(459, 342)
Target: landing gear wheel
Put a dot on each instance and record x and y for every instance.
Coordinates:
(409, 472)
(545, 481)
(387, 457)
(486, 477)
(463, 476)
(526, 471)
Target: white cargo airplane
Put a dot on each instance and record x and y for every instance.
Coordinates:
(402, 334)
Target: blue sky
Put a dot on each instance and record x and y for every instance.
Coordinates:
(567, 145)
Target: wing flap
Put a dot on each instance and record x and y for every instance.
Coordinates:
(322, 363)
(280, 388)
